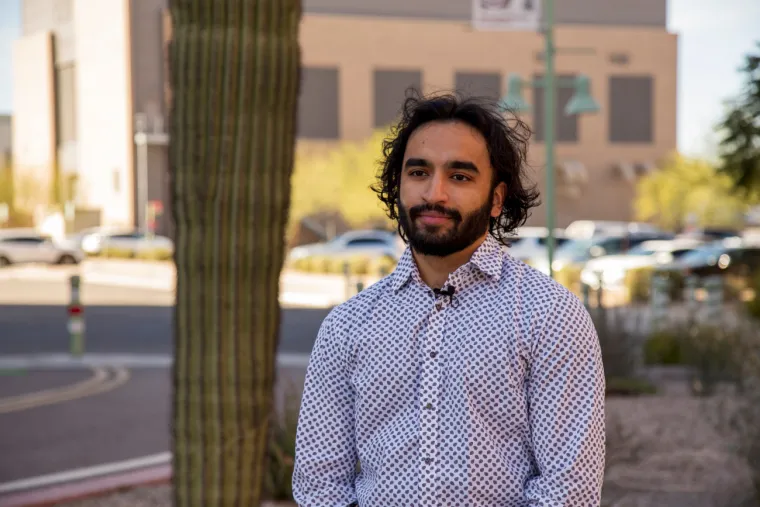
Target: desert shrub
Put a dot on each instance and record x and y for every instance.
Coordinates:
(155, 254)
(733, 286)
(381, 266)
(356, 265)
(753, 304)
(281, 452)
(300, 264)
(570, 277)
(620, 354)
(116, 253)
(320, 264)
(638, 282)
(711, 351)
(664, 347)
(737, 416)
(621, 386)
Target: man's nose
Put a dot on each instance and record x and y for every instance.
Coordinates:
(436, 189)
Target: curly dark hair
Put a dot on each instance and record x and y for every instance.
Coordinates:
(506, 137)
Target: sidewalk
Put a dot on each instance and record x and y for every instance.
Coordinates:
(296, 288)
(662, 451)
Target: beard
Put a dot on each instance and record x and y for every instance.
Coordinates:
(446, 239)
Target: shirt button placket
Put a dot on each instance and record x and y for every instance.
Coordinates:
(429, 400)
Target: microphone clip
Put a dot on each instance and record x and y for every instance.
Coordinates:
(447, 292)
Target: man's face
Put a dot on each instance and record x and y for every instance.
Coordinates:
(446, 195)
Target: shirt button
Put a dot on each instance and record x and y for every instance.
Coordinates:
(428, 460)
(438, 306)
(433, 354)
(429, 406)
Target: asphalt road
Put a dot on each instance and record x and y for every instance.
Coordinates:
(130, 421)
(117, 320)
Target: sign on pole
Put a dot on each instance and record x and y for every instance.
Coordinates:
(506, 15)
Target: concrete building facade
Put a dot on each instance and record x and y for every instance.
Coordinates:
(86, 72)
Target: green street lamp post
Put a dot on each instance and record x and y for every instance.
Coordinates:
(581, 102)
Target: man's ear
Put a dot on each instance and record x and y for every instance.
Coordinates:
(499, 194)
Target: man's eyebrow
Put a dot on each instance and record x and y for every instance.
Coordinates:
(463, 165)
(454, 164)
(417, 162)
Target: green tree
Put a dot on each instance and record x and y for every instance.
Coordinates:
(234, 71)
(6, 186)
(686, 187)
(739, 149)
(340, 180)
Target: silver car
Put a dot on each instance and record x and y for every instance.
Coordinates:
(27, 248)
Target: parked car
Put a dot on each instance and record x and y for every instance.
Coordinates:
(587, 229)
(369, 243)
(579, 251)
(132, 243)
(732, 255)
(711, 234)
(31, 247)
(613, 268)
(529, 243)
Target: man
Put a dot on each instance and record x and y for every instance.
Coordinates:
(465, 378)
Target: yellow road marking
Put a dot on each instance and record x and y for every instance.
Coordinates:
(98, 383)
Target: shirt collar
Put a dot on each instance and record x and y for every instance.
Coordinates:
(488, 258)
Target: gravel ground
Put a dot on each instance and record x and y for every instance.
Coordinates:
(662, 452)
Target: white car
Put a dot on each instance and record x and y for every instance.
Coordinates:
(131, 242)
(31, 247)
(586, 229)
(529, 243)
(613, 268)
(370, 243)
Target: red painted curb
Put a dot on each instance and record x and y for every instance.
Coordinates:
(80, 490)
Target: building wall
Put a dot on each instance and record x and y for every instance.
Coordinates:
(357, 57)
(104, 109)
(386, 53)
(51, 16)
(57, 17)
(148, 79)
(33, 142)
(585, 12)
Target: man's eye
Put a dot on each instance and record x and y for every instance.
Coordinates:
(460, 177)
(417, 172)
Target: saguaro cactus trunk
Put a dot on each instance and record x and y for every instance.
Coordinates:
(234, 68)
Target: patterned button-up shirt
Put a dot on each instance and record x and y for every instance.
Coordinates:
(492, 397)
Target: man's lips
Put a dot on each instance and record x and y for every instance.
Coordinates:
(433, 218)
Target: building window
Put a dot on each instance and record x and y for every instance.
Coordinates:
(65, 104)
(318, 113)
(631, 109)
(480, 84)
(390, 88)
(566, 127)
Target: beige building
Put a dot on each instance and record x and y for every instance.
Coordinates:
(87, 73)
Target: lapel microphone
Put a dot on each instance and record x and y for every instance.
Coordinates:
(447, 292)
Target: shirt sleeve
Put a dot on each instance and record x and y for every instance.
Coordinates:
(326, 457)
(566, 409)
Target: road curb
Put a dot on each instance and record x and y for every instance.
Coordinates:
(15, 362)
(308, 290)
(80, 490)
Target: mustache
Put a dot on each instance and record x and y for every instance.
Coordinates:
(416, 211)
